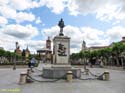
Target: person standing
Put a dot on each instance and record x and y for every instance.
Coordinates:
(33, 62)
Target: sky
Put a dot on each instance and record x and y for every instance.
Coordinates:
(30, 22)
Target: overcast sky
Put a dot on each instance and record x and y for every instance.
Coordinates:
(30, 22)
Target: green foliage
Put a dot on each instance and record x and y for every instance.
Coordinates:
(2, 52)
(74, 56)
(81, 54)
(6, 53)
(116, 49)
(12, 63)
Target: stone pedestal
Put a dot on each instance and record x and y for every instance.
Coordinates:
(61, 50)
(60, 72)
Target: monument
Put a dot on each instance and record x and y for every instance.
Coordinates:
(61, 54)
(61, 47)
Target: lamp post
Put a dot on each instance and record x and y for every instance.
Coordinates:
(84, 60)
(14, 66)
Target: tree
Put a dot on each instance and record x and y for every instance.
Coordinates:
(2, 52)
(117, 49)
(74, 56)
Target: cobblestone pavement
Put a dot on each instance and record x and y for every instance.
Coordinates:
(9, 83)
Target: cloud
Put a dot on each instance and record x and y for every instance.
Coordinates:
(8, 12)
(11, 13)
(50, 31)
(8, 43)
(36, 44)
(26, 4)
(56, 6)
(15, 9)
(23, 16)
(74, 50)
(4, 2)
(3, 21)
(105, 10)
(38, 21)
(20, 31)
(115, 33)
(92, 36)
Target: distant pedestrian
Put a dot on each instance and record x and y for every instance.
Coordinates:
(33, 60)
(101, 64)
(91, 63)
(29, 64)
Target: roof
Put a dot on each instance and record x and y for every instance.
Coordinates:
(43, 50)
(98, 47)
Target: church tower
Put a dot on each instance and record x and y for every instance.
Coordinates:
(83, 45)
(48, 43)
(17, 50)
(27, 52)
(17, 45)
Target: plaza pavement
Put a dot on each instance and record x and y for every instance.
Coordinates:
(9, 83)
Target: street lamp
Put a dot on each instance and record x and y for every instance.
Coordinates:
(84, 60)
(14, 66)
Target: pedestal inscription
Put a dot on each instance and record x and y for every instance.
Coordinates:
(61, 50)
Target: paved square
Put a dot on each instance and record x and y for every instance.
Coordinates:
(9, 82)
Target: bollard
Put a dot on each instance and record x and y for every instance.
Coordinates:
(31, 68)
(29, 71)
(23, 77)
(28, 80)
(106, 76)
(69, 76)
(87, 71)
